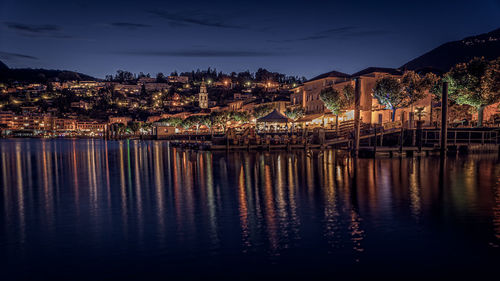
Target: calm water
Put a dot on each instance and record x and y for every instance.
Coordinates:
(136, 210)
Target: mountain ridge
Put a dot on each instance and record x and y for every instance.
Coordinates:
(445, 56)
(40, 75)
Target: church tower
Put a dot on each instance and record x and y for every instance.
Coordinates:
(203, 95)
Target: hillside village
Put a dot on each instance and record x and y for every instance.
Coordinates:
(128, 105)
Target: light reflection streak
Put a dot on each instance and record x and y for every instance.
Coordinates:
(198, 198)
(138, 191)
(123, 189)
(159, 191)
(20, 195)
(212, 214)
(243, 208)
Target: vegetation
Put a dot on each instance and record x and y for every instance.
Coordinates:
(476, 83)
(295, 113)
(262, 110)
(337, 102)
(389, 93)
(172, 121)
(220, 118)
(193, 120)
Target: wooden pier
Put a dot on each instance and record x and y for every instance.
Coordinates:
(372, 142)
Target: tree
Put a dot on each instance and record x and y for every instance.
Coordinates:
(206, 121)
(331, 98)
(146, 127)
(348, 92)
(433, 84)
(414, 87)
(121, 129)
(240, 116)
(476, 83)
(220, 118)
(262, 110)
(160, 78)
(336, 101)
(133, 126)
(295, 113)
(389, 93)
(172, 121)
(193, 120)
(123, 76)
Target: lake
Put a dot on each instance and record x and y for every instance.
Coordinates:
(142, 210)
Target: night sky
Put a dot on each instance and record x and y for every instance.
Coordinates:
(304, 38)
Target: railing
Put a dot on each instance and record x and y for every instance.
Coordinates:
(456, 136)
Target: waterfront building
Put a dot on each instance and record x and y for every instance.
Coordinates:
(119, 119)
(63, 125)
(6, 118)
(161, 131)
(91, 127)
(307, 96)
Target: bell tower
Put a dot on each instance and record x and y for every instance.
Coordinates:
(203, 95)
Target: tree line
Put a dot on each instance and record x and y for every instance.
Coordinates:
(211, 74)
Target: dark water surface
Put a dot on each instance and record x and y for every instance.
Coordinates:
(138, 210)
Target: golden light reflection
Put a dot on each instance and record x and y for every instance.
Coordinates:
(243, 208)
(271, 200)
(20, 194)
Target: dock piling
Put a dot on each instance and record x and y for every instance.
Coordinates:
(444, 119)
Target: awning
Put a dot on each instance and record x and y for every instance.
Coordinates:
(274, 117)
(309, 118)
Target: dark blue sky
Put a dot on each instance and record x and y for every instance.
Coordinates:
(302, 38)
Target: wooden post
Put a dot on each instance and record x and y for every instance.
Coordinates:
(419, 131)
(375, 142)
(357, 95)
(401, 139)
(444, 119)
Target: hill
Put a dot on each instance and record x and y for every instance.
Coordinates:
(447, 55)
(30, 75)
(3, 67)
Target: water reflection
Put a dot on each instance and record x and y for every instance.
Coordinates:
(152, 200)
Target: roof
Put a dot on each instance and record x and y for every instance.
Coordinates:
(274, 117)
(368, 70)
(330, 74)
(309, 118)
